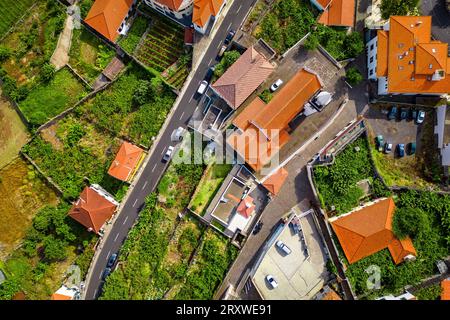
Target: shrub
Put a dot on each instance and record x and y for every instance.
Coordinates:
(266, 95)
(228, 59)
(353, 76)
(47, 72)
(410, 222)
(5, 53)
(397, 7)
(54, 250)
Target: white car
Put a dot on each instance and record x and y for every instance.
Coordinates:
(420, 116)
(283, 247)
(178, 134)
(276, 85)
(271, 280)
(168, 154)
(202, 88)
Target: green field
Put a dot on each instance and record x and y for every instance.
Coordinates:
(11, 11)
(47, 100)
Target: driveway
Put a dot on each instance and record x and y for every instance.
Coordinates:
(440, 18)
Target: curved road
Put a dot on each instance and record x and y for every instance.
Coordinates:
(155, 167)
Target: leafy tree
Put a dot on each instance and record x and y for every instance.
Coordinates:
(410, 222)
(5, 53)
(397, 7)
(312, 42)
(47, 72)
(9, 288)
(74, 133)
(353, 76)
(54, 249)
(228, 59)
(266, 95)
(353, 44)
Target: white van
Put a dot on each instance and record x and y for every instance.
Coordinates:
(283, 247)
(202, 88)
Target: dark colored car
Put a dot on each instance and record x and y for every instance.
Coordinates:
(412, 148)
(413, 114)
(106, 273)
(393, 113)
(403, 113)
(210, 73)
(257, 227)
(401, 150)
(111, 260)
(229, 36)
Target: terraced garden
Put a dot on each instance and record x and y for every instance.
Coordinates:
(11, 11)
(163, 51)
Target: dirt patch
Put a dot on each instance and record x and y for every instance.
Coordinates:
(13, 133)
(49, 135)
(22, 194)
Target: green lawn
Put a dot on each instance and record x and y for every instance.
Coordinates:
(11, 11)
(47, 100)
(89, 55)
(131, 40)
(208, 186)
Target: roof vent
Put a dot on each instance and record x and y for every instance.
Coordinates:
(400, 67)
(430, 66)
(411, 49)
(412, 78)
(400, 56)
(418, 23)
(412, 26)
(401, 44)
(433, 50)
(411, 62)
(406, 53)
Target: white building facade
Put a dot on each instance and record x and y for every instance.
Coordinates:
(169, 7)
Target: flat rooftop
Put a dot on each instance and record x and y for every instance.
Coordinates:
(300, 275)
(224, 210)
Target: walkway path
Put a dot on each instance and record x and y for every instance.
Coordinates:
(60, 56)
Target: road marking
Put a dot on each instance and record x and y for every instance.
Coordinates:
(115, 239)
(109, 252)
(134, 203)
(191, 98)
(220, 44)
(95, 293)
(239, 9)
(182, 115)
(126, 218)
(100, 276)
(210, 60)
(230, 25)
(162, 152)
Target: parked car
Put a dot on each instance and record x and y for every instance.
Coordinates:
(210, 73)
(420, 117)
(412, 148)
(283, 247)
(202, 88)
(229, 36)
(222, 50)
(276, 85)
(413, 114)
(403, 113)
(168, 154)
(106, 273)
(387, 147)
(111, 260)
(393, 113)
(401, 150)
(178, 134)
(271, 280)
(380, 142)
(257, 227)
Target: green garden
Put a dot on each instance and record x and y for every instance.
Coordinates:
(88, 54)
(11, 11)
(52, 97)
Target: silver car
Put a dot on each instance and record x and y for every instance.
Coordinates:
(271, 280)
(168, 154)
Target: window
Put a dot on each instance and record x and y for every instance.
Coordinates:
(371, 47)
(371, 72)
(371, 59)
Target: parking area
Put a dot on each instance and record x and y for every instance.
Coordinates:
(394, 131)
(300, 274)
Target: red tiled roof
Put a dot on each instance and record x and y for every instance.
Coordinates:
(339, 13)
(92, 210)
(188, 36)
(246, 207)
(106, 16)
(369, 230)
(276, 181)
(409, 57)
(125, 162)
(445, 287)
(204, 9)
(243, 77)
(57, 296)
(257, 147)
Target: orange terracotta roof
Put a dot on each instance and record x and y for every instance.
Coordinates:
(106, 16)
(243, 77)
(331, 295)
(445, 287)
(339, 13)
(246, 207)
(382, 53)
(125, 162)
(57, 296)
(92, 210)
(171, 4)
(369, 230)
(412, 57)
(261, 125)
(324, 3)
(204, 9)
(276, 181)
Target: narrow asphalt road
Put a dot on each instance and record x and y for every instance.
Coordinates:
(155, 167)
(440, 18)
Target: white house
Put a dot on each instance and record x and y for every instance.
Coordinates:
(178, 9)
(442, 130)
